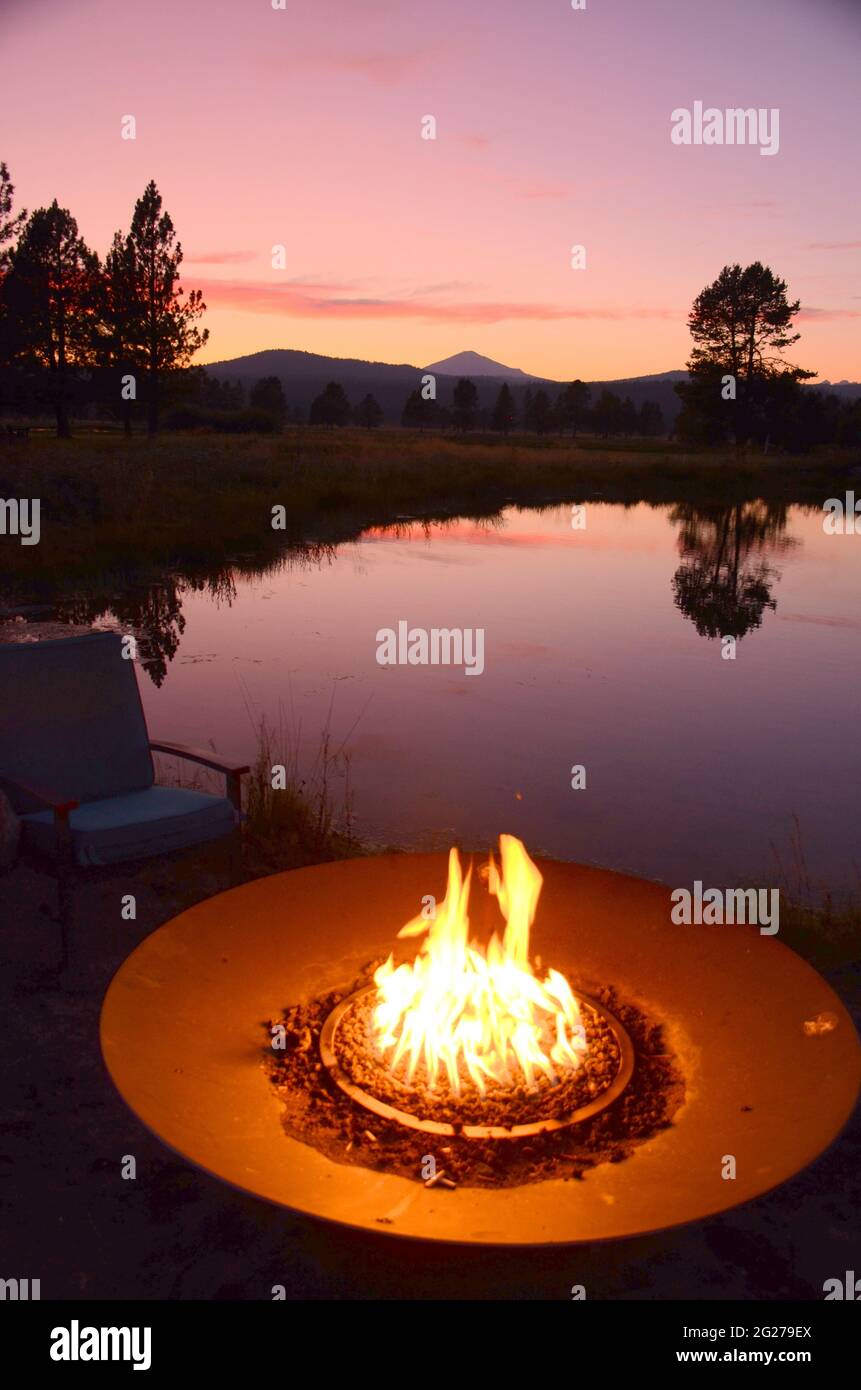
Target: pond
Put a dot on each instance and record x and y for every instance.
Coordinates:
(604, 648)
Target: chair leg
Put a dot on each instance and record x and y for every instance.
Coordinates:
(65, 874)
(64, 911)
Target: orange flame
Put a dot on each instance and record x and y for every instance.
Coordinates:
(472, 1014)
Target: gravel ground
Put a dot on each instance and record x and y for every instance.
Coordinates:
(68, 1218)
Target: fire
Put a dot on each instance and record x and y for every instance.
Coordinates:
(475, 1015)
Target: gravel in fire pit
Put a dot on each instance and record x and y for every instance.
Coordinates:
(317, 1112)
(499, 1106)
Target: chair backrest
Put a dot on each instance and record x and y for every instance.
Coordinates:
(71, 719)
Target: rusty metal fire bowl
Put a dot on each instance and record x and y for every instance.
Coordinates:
(771, 1060)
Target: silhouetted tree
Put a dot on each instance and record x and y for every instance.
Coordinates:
(50, 293)
(741, 325)
(705, 417)
(268, 394)
(628, 419)
(118, 301)
(331, 407)
(230, 394)
(572, 406)
(651, 419)
(465, 401)
(419, 413)
(368, 412)
(607, 414)
(10, 226)
(163, 328)
(847, 431)
(504, 414)
(719, 586)
(538, 413)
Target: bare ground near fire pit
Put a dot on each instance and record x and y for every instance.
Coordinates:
(68, 1218)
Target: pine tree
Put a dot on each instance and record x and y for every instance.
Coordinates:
(331, 407)
(268, 394)
(117, 310)
(368, 413)
(163, 328)
(420, 413)
(741, 325)
(608, 413)
(503, 417)
(51, 297)
(628, 418)
(10, 226)
(651, 422)
(465, 401)
(572, 406)
(538, 415)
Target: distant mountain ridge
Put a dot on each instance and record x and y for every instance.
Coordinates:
(304, 375)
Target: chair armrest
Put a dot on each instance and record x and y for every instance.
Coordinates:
(200, 755)
(55, 801)
(232, 770)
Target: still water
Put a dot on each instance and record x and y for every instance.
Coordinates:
(602, 649)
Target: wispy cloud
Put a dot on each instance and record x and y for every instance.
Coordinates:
(295, 300)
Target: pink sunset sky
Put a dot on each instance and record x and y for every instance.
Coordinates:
(302, 127)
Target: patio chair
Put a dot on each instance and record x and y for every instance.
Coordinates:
(76, 762)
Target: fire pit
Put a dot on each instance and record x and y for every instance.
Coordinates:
(652, 1051)
(471, 1042)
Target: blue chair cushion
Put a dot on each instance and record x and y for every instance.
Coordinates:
(135, 826)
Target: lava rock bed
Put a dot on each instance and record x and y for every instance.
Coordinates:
(521, 1106)
(317, 1112)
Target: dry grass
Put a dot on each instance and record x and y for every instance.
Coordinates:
(308, 819)
(822, 927)
(112, 503)
(303, 816)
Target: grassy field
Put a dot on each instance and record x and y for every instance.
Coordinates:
(111, 502)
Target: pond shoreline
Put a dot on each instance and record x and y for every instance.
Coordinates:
(114, 504)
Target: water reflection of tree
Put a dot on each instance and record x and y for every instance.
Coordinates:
(724, 582)
(149, 607)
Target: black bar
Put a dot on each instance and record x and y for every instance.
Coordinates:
(391, 1341)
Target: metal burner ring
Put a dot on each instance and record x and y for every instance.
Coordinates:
(402, 1117)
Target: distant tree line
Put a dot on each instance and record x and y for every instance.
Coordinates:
(567, 412)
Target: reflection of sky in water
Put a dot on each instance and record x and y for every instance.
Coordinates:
(695, 765)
